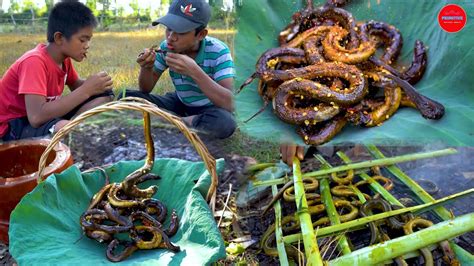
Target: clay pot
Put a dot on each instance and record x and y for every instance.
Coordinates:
(18, 166)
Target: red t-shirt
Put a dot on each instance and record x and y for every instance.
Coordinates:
(33, 73)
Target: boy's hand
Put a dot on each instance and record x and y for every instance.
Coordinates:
(181, 64)
(98, 83)
(288, 151)
(146, 59)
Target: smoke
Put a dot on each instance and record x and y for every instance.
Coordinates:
(451, 174)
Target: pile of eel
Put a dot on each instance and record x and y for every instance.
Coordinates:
(326, 73)
(352, 199)
(127, 217)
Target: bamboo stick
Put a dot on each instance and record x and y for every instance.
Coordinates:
(258, 167)
(313, 256)
(284, 180)
(397, 247)
(330, 208)
(276, 181)
(359, 194)
(278, 231)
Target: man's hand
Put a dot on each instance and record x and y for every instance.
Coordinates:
(146, 59)
(288, 151)
(181, 64)
(147, 77)
(97, 83)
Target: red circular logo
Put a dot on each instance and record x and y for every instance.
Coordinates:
(452, 18)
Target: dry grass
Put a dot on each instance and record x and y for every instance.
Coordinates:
(114, 52)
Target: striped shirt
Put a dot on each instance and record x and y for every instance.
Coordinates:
(215, 60)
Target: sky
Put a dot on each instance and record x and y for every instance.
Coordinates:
(154, 4)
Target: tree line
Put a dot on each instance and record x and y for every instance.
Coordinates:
(108, 13)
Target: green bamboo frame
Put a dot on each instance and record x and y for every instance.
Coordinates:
(361, 222)
(425, 197)
(365, 256)
(362, 166)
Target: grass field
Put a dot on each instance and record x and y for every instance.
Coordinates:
(115, 52)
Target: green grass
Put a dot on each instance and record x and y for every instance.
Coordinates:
(115, 52)
(262, 151)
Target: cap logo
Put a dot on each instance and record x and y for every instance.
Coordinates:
(188, 10)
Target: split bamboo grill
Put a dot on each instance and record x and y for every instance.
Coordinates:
(141, 105)
(366, 256)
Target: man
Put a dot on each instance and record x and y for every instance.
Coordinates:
(201, 68)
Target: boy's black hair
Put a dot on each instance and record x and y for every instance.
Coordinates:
(68, 17)
(199, 29)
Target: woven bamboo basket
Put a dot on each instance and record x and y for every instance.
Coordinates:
(138, 104)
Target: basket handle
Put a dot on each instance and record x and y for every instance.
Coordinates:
(142, 105)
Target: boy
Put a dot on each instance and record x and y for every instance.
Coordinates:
(32, 103)
(201, 69)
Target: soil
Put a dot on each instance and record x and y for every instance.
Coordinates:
(98, 144)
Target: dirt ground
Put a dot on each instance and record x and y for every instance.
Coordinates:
(97, 144)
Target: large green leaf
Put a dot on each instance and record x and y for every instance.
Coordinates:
(45, 229)
(448, 78)
(249, 192)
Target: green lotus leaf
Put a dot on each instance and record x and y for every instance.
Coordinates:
(448, 78)
(45, 229)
